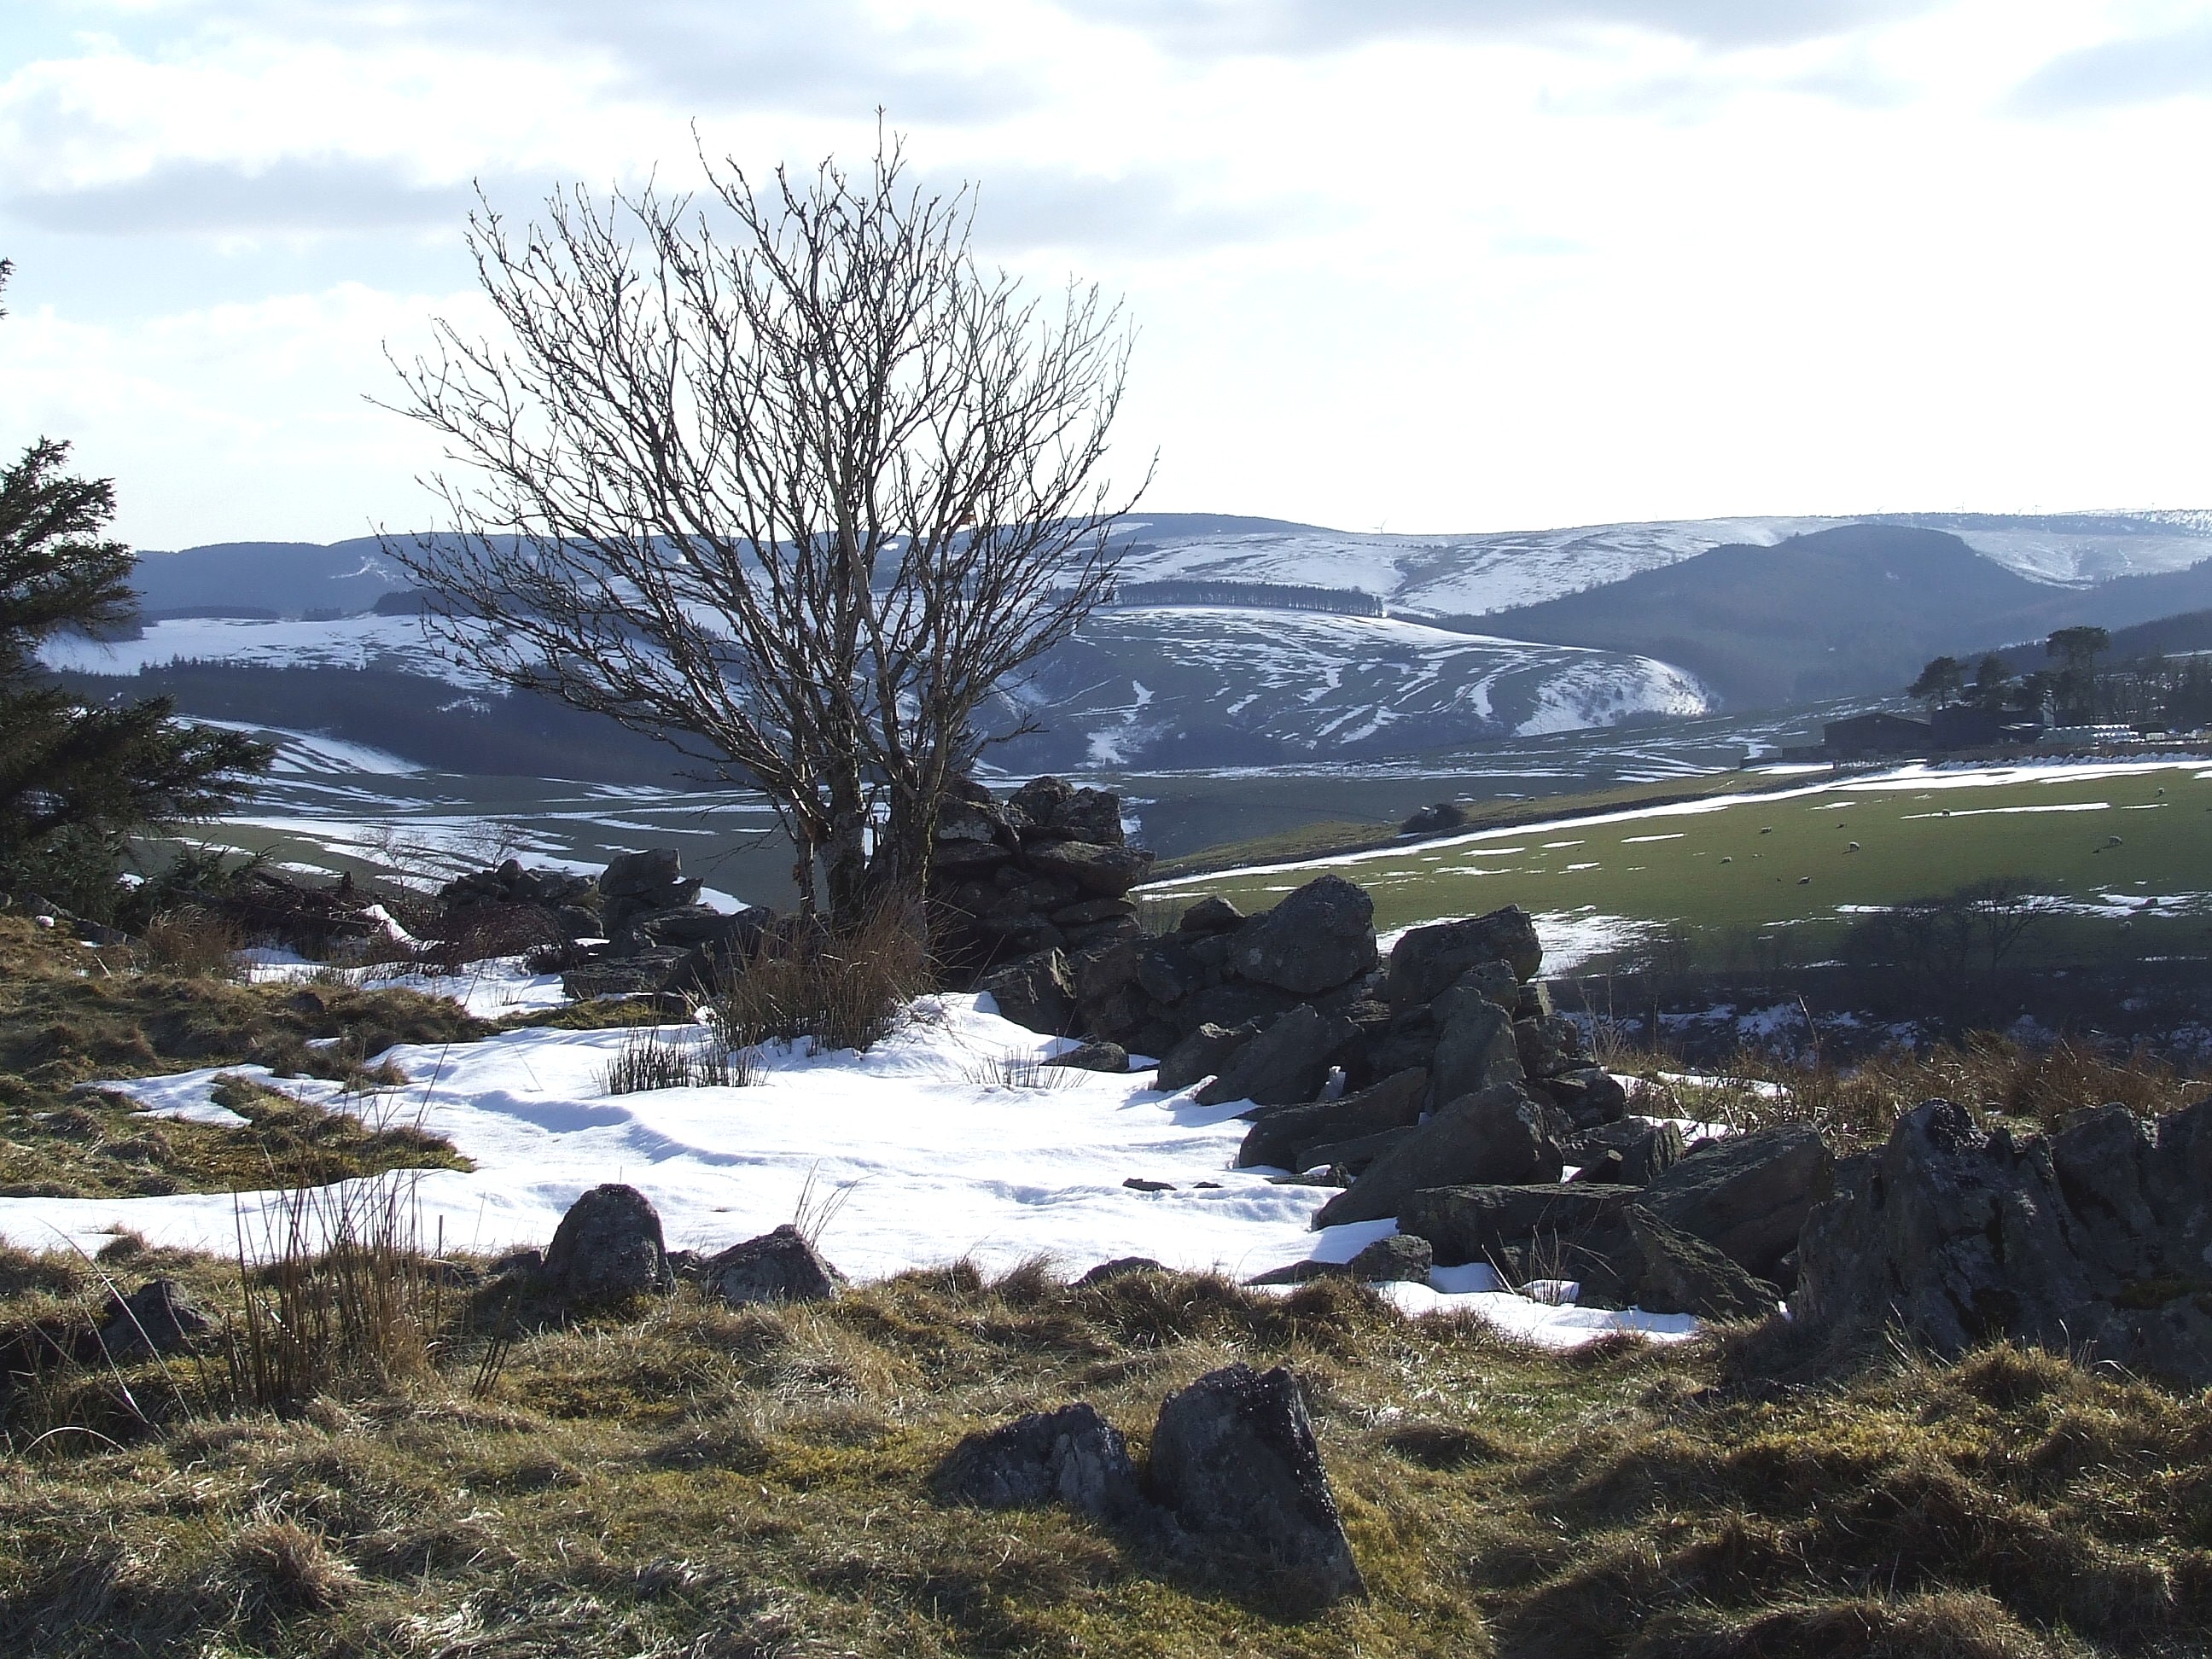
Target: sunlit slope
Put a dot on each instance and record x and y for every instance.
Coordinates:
(2112, 841)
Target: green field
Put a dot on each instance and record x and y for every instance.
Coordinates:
(2127, 846)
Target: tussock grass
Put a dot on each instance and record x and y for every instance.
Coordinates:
(847, 987)
(696, 1478)
(651, 1059)
(193, 943)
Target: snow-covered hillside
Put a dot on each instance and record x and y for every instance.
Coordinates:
(1199, 685)
(365, 641)
(1178, 685)
(1470, 575)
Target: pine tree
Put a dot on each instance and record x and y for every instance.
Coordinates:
(77, 782)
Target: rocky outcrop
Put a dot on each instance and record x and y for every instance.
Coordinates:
(1044, 871)
(1501, 1134)
(1612, 1241)
(658, 936)
(525, 905)
(608, 1247)
(2095, 1240)
(1747, 1195)
(1036, 991)
(1233, 1482)
(1292, 1137)
(1321, 936)
(1286, 1064)
(1207, 1052)
(1395, 1259)
(1681, 1273)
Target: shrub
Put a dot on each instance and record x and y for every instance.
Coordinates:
(192, 943)
(844, 987)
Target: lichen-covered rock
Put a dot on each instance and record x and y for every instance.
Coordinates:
(1474, 1223)
(1499, 1136)
(2096, 1241)
(1318, 938)
(1426, 960)
(1211, 914)
(1036, 991)
(1283, 1137)
(777, 1266)
(1748, 1196)
(1286, 1064)
(1112, 871)
(1681, 1275)
(608, 1247)
(1645, 1148)
(1474, 1046)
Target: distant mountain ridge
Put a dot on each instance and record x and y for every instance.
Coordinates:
(1854, 609)
(1245, 644)
(1423, 576)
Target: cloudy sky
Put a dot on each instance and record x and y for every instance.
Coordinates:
(1416, 265)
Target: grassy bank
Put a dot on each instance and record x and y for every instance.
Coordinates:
(685, 1479)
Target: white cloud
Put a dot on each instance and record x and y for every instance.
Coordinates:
(1441, 265)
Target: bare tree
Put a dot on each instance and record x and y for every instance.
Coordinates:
(794, 498)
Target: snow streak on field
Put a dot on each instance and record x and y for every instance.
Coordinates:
(935, 1158)
(2099, 838)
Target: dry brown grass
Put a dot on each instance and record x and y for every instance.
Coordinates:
(691, 1478)
(194, 943)
(70, 1015)
(844, 988)
(1993, 1075)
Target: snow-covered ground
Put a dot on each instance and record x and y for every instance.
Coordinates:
(933, 1158)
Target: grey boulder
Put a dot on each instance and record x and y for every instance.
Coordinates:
(1036, 991)
(1318, 938)
(608, 1247)
(1496, 1136)
(777, 1266)
(1474, 1048)
(1426, 960)
(1072, 1456)
(1747, 1196)
(1681, 1275)
(1285, 1065)
(1235, 1461)
(1286, 1137)
(1209, 1051)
